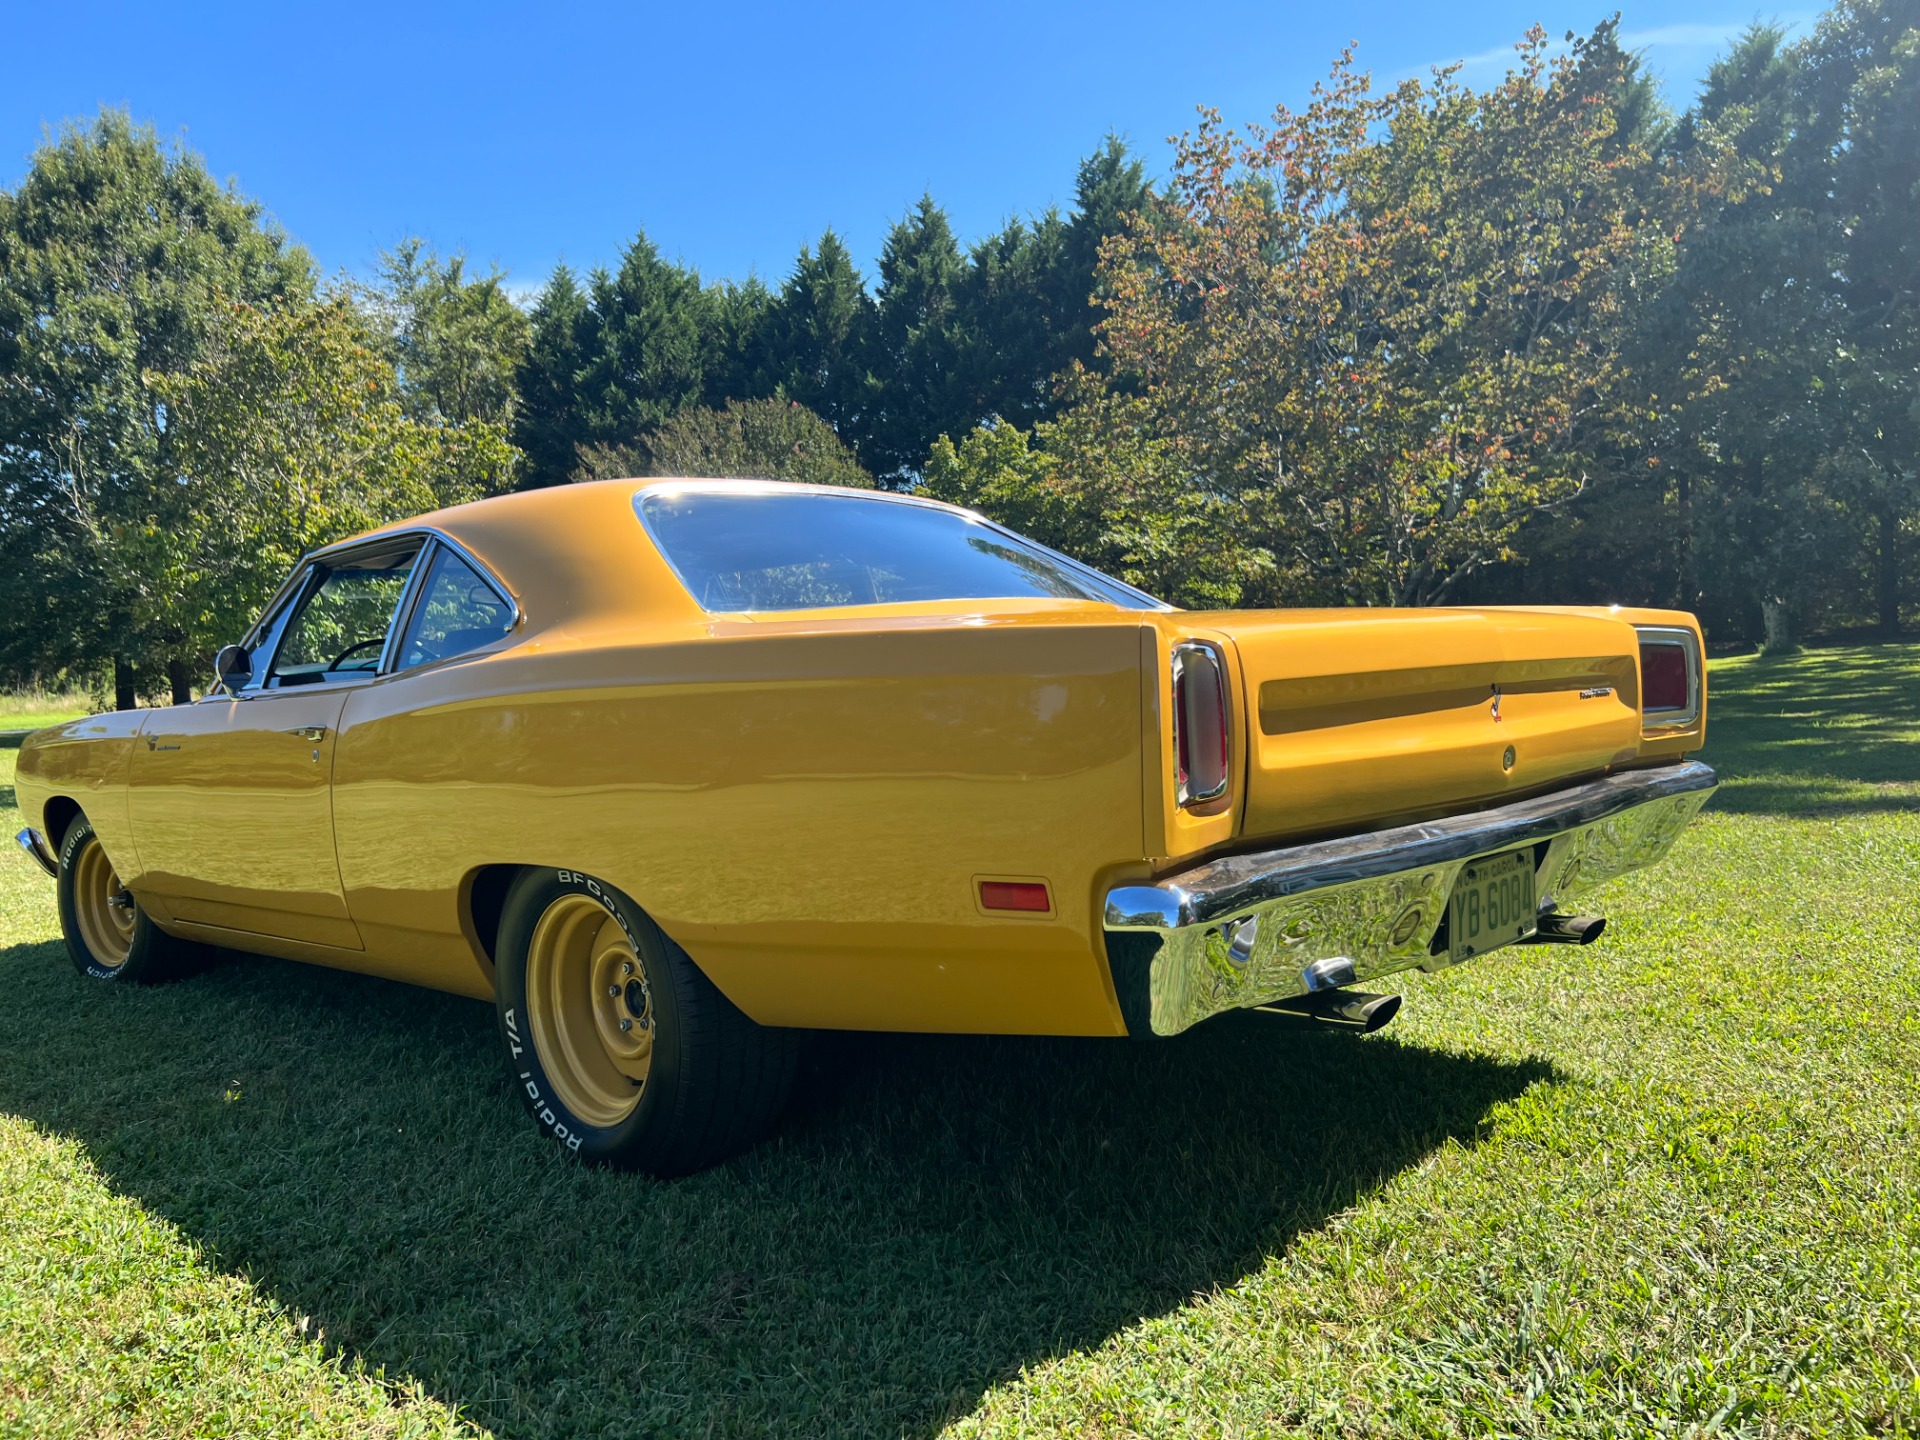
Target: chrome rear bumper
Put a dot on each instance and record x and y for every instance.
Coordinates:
(35, 845)
(1251, 929)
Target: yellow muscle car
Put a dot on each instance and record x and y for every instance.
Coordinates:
(674, 769)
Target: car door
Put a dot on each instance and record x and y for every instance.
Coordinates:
(231, 797)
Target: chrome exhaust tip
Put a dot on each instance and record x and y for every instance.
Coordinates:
(1558, 929)
(1343, 1009)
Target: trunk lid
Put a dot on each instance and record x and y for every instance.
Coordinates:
(1355, 717)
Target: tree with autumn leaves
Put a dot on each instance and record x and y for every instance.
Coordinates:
(1542, 341)
(1538, 342)
(1384, 332)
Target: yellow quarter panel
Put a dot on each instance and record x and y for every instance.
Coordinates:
(804, 810)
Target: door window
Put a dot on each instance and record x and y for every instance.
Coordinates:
(338, 631)
(457, 611)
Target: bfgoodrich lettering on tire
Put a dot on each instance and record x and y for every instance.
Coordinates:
(108, 935)
(624, 1052)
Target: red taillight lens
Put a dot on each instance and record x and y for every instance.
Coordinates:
(1663, 677)
(1199, 724)
(1014, 895)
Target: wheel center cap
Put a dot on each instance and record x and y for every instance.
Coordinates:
(636, 998)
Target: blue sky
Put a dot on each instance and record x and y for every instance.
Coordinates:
(530, 134)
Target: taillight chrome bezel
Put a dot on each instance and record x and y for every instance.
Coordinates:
(1198, 655)
(1672, 718)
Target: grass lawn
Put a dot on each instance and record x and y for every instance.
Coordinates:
(31, 709)
(1666, 1184)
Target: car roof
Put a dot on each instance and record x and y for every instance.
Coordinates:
(570, 550)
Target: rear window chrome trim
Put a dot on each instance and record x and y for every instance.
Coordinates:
(1098, 578)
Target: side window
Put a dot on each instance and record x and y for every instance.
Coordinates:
(339, 629)
(457, 611)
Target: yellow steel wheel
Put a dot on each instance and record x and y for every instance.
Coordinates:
(590, 1009)
(102, 908)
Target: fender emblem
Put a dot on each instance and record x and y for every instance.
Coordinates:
(1598, 692)
(1495, 712)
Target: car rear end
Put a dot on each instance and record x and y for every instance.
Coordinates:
(1335, 796)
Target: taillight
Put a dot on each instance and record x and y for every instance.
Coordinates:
(1199, 724)
(1669, 674)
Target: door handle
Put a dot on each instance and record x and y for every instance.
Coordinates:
(314, 733)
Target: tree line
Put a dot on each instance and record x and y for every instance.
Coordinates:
(1545, 340)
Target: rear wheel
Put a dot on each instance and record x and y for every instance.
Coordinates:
(109, 936)
(622, 1049)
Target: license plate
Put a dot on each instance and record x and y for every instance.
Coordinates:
(1492, 904)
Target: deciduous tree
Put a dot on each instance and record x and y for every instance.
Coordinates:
(290, 431)
(457, 339)
(1388, 327)
(118, 255)
(767, 439)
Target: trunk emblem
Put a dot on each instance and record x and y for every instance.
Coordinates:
(1495, 712)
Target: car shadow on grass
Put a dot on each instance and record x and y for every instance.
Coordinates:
(934, 1214)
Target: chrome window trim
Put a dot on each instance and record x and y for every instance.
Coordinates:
(329, 558)
(403, 611)
(409, 602)
(1098, 578)
(1689, 644)
(290, 590)
(267, 630)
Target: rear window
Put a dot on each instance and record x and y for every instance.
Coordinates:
(759, 550)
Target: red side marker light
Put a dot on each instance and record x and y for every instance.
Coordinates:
(1014, 895)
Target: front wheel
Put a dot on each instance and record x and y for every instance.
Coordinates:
(622, 1049)
(109, 936)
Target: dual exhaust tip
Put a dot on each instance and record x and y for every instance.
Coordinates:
(1357, 1010)
(1342, 1009)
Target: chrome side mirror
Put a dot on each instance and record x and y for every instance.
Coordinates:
(233, 666)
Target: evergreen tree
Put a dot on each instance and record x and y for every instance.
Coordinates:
(1110, 187)
(739, 360)
(647, 354)
(818, 334)
(547, 422)
(918, 390)
(1017, 328)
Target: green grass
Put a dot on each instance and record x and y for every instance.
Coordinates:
(31, 709)
(1669, 1184)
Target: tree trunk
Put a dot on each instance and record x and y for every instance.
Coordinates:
(1685, 596)
(123, 696)
(181, 679)
(1888, 577)
(1777, 615)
